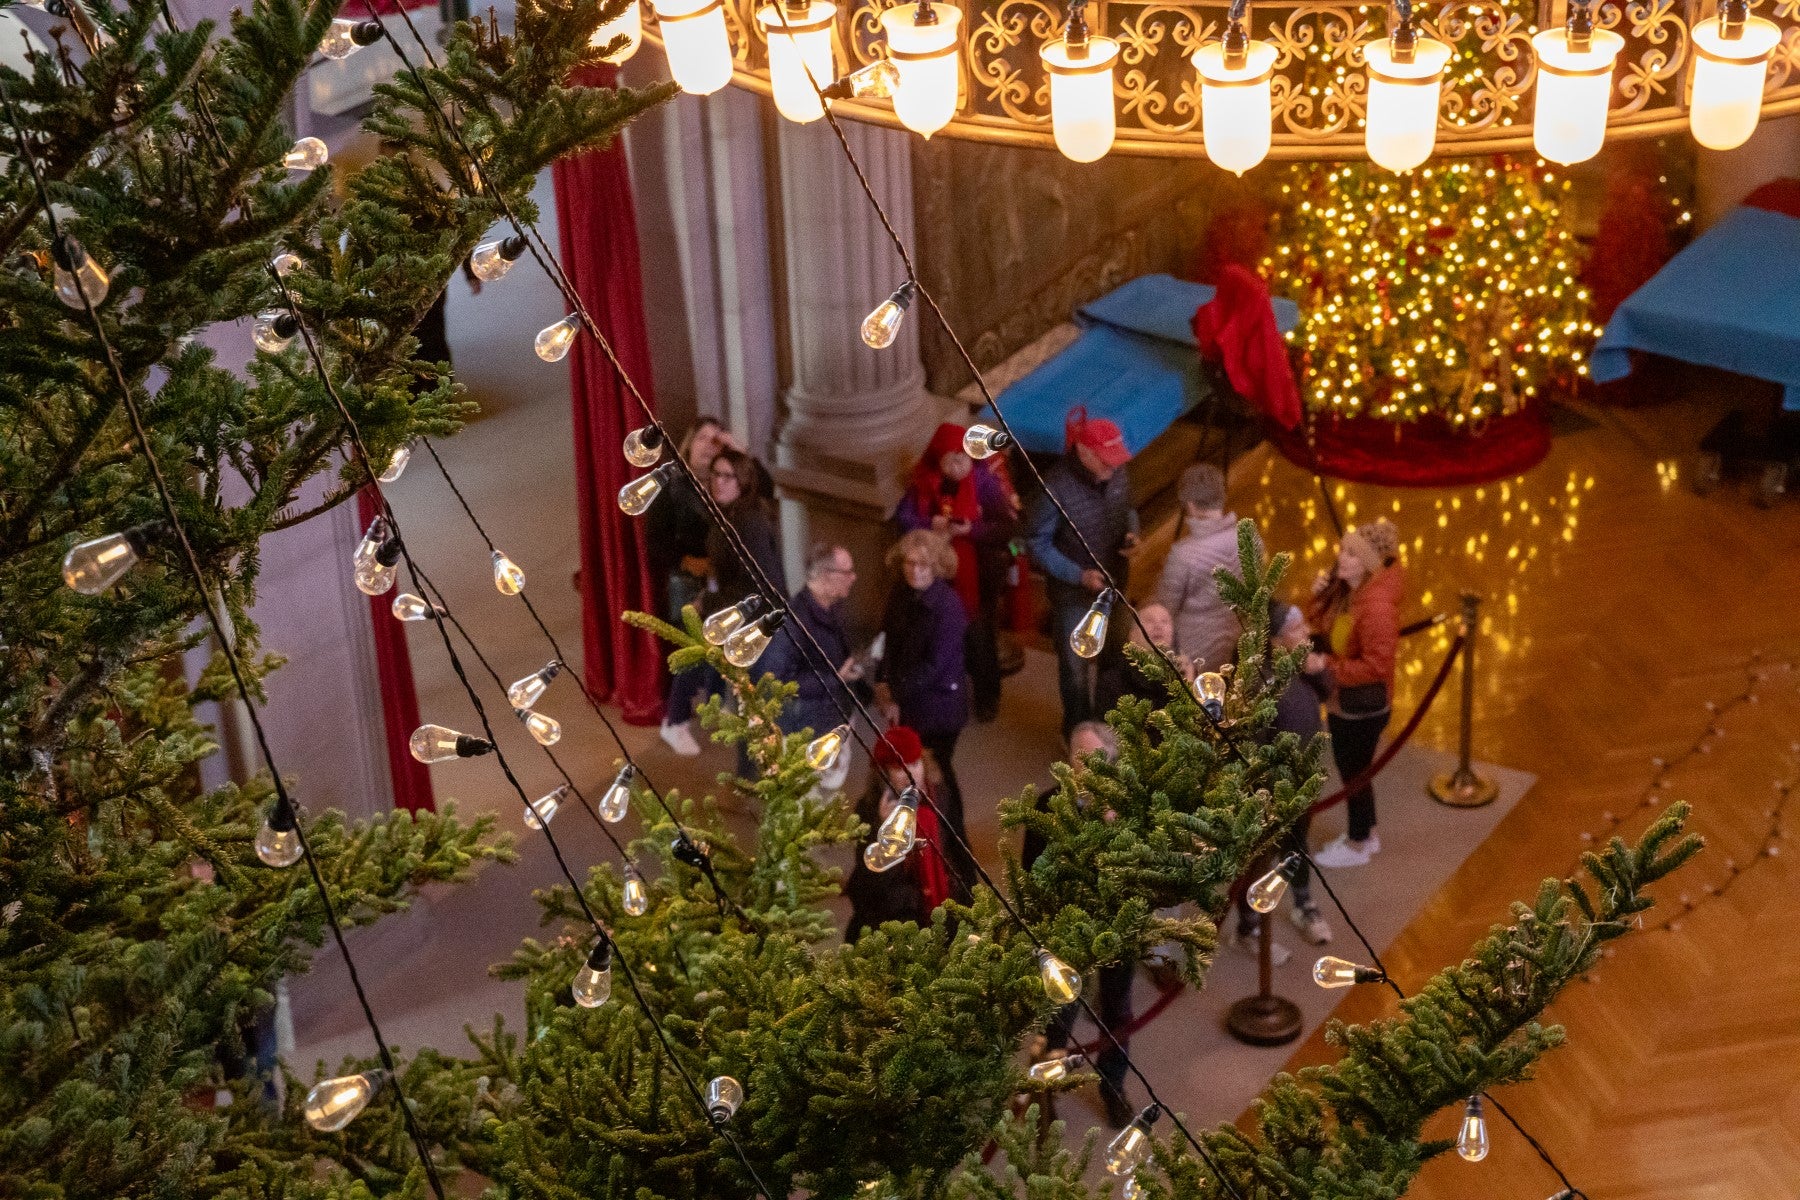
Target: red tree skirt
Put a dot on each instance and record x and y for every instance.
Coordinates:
(1422, 453)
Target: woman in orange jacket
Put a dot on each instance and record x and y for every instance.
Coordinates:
(1356, 625)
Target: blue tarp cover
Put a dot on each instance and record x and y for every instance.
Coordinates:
(1135, 363)
(1730, 300)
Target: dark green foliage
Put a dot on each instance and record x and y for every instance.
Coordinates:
(138, 933)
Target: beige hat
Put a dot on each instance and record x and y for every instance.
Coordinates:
(1373, 544)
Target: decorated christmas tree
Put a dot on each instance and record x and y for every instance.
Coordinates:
(1452, 291)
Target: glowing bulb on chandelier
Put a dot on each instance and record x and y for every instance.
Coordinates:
(544, 729)
(1731, 64)
(629, 24)
(275, 330)
(800, 59)
(1236, 107)
(724, 1096)
(1081, 88)
(1054, 1070)
(1333, 972)
(396, 464)
(697, 43)
(636, 497)
(374, 566)
(922, 44)
(1574, 86)
(1406, 79)
(408, 607)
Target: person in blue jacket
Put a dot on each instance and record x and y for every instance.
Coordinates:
(820, 703)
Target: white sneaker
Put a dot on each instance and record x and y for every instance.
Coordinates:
(1342, 852)
(680, 739)
(1311, 925)
(1247, 945)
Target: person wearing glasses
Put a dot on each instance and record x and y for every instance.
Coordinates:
(820, 703)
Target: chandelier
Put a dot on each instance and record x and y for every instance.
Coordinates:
(1305, 79)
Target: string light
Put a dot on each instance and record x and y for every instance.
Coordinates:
(636, 497)
(1265, 894)
(724, 1096)
(898, 833)
(332, 1104)
(1472, 1135)
(553, 341)
(490, 261)
(882, 326)
(544, 729)
(375, 563)
(509, 578)
(307, 154)
(823, 752)
(984, 441)
(616, 801)
(92, 566)
(643, 446)
(1333, 972)
(1128, 1150)
(438, 743)
(285, 263)
(1055, 1070)
(635, 896)
(1209, 689)
(528, 691)
(727, 621)
(274, 330)
(396, 464)
(346, 37)
(540, 811)
(1088, 637)
(76, 274)
(745, 646)
(278, 841)
(593, 982)
(873, 81)
(408, 607)
(1062, 983)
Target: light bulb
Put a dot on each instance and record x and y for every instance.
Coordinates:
(1127, 1151)
(1052, 1070)
(305, 155)
(898, 833)
(334, 1103)
(278, 841)
(617, 801)
(879, 858)
(540, 811)
(375, 571)
(697, 44)
(984, 441)
(629, 24)
(1236, 109)
(636, 896)
(723, 1097)
(1574, 86)
(91, 567)
(823, 752)
(882, 326)
(593, 983)
(553, 341)
(1088, 637)
(643, 446)
(1081, 93)
(396, 464)
(727, 621)
(1332, 972)
(285, 263)
(490, 261)
(1062, 983)
(1472, 1137)
(1131, 1189)
(800, 58)
(1401, 128)
(744, 647)
(274, 330)
(872, 81)
(509, 580)
(924, 55)
(408, 607)
(346, 37)
(436, 743)
(1266, 893)
(529, 690)
(1730, 67)
(545, 730)
(77, 274)
(636, 497)
(1209, 689)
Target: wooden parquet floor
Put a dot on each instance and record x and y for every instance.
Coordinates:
(1618, 604)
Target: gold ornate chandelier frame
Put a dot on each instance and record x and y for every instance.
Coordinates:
(1319, 86)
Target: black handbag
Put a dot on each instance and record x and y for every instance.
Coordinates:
(1363, 699)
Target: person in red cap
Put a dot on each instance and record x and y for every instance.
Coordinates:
(910, 891)
(1089, 482)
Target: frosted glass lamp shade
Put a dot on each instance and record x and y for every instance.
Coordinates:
(697, 43)
(1573, 90)
(1403, 102)
(925, 57)
(800, 61)
(1728, 81)
(628, 25)
(1235, 107)
(1081, 97)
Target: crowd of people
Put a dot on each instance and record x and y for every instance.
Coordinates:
(963, 538)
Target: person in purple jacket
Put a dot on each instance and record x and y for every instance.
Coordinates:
(922, 680)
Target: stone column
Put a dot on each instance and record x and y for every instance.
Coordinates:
(856, 417)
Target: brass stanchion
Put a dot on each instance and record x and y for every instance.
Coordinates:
(1264, 1019)
(1463, 788)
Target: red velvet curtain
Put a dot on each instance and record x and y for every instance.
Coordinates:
(399, 700)
(600, 253)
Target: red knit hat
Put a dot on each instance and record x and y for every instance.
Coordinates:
(899, 747)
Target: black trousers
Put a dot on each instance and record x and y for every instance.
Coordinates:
(1115, 1010)
(1353, 743)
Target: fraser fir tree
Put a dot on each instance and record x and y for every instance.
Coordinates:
(139, 934)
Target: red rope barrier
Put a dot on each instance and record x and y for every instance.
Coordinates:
(1411, 727)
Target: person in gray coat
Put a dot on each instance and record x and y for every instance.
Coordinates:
(1206, 630)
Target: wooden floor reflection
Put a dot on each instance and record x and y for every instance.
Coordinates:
(1617, 606)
